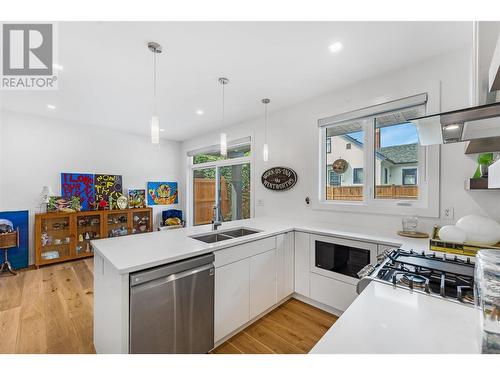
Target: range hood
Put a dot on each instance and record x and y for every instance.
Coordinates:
(473, 124)
(479, 124)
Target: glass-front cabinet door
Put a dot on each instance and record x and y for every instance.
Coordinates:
(55, 238)
(141, 221)
(88, 228)
(117, 223)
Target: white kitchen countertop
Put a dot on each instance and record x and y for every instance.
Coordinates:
(383, 319)
(392, 320)
(133, 253)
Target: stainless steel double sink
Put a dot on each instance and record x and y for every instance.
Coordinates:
(224, 235)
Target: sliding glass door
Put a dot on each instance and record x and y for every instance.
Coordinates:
(228, 185)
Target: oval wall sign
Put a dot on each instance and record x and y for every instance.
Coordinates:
(279, 178)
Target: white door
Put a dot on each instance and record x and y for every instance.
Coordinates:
(285, 265)
(262, 282)
(302, 263)
(232, 288)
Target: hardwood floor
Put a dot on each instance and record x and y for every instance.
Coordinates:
(50, 310)
(292, 328)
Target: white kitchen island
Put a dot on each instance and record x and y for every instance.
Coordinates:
(255, 273)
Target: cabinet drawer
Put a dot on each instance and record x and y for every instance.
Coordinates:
(238, 252)
(331, 292)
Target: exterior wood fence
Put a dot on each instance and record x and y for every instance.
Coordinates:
(355, 193)
(204, 200)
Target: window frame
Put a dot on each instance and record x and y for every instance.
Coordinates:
(332, 172)
(427, 205)
(405, 170)
(217, 164)
(355, 180)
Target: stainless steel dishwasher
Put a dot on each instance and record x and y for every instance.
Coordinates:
(172, 307)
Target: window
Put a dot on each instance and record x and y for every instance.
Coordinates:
(396, 149)
(357, 176)
(381, 165)
(335, 178)
(343, 160)
(409, 176)
(328, 145)
(213, 154)
(224, 182)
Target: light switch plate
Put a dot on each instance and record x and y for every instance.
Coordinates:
(260, 202)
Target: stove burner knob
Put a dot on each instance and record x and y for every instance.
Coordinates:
(455, 258)
(433, 255)
(444, 256)
(427, 289)
(468, 260)
(423, 253)
(394, 280)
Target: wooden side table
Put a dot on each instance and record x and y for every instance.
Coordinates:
(7, 241)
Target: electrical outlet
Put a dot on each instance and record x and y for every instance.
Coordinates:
(448, 213)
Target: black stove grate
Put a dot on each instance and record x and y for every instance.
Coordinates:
(449, 277)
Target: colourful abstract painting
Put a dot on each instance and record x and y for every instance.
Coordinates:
(162, 193)
(18, 256)
(79, 185)
(108, 188)
(137, 198)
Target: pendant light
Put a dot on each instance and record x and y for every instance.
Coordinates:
(265, 149)
(155, 119)
(223, 137)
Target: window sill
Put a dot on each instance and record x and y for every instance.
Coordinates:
(396, 208)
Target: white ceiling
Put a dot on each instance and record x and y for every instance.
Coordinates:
(107, 76)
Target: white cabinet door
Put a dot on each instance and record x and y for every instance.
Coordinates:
(331, 292)
(285, 269)
(232, 289)
(302, 263)
(262, 282)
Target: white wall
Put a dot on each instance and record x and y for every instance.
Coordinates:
(293, 135)
(36, 150)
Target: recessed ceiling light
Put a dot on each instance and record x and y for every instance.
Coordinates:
(57, 66)
(51, 107)
(335, 47)
(199, 112)
(162, 130)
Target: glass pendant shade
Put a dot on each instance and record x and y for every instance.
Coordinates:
(155, 130)
(223, 144)
(265, 152)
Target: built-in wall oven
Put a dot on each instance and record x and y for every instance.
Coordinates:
(341, 258)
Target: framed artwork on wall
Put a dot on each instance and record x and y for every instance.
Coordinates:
(108, 188)
(162, 193)
(137, 198)
(79, 185)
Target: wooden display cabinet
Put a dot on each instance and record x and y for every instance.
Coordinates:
(54, 237)
(61, 236)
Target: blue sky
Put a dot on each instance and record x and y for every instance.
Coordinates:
(401, 134)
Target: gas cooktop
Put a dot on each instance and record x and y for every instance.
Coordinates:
(449, 277)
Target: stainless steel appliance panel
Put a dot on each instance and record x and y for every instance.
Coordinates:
(173, 312)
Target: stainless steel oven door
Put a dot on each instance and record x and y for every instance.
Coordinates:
(340, 258)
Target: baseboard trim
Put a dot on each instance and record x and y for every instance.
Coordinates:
(317, 304)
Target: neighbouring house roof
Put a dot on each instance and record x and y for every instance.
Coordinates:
(401, 154)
